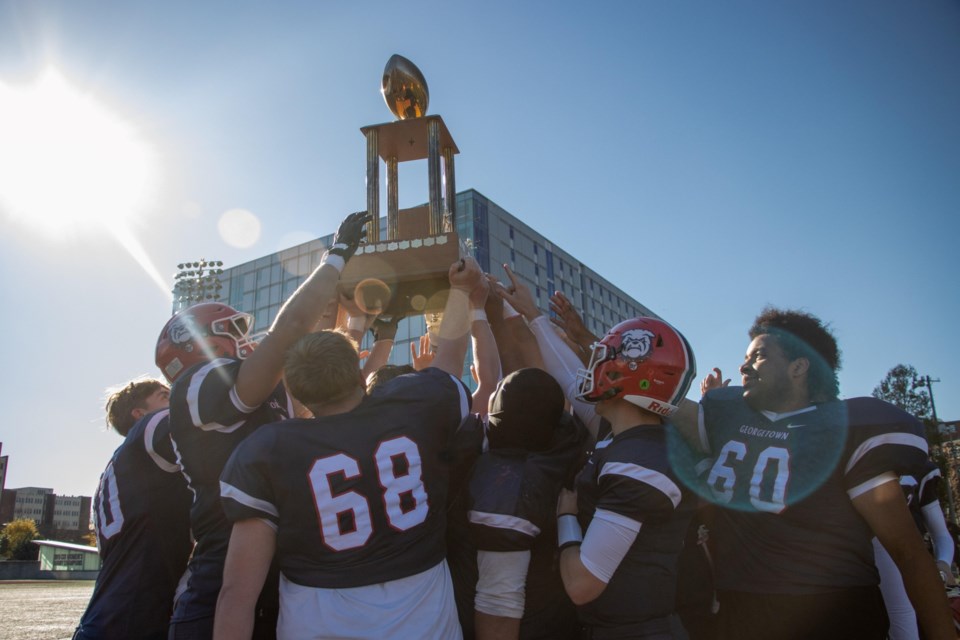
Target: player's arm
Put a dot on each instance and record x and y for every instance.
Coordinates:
(252, 543)
(486, 359)
(261, 371)
(488, 627)
(688, 421)
(464, 276)
(510, 330)
(942, 540)
(587, 562)
(384, 332)
(500, 597)
(519, 298)
(885, 511)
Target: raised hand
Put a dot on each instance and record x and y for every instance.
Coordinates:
(465, 274)
(385, 328)
(480, 292)
(713, 381)
(423, 358)
(349, 235)
(518, 295)
(569, 319)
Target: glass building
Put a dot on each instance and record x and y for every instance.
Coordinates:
(494, 237)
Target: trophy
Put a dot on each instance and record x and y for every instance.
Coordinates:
(405, 273)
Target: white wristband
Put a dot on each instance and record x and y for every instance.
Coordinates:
(568, 531)
(478, 314)
(356, 323)
(335, 261)
(508, 311)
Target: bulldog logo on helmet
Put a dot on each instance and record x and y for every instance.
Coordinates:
(182, 331)
(636, 344)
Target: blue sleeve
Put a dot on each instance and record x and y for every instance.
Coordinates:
(245, 487)
(882, 439)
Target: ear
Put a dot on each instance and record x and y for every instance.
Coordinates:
(799, 367)
(138, 413)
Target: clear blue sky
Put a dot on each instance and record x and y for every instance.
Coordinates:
(708, 158)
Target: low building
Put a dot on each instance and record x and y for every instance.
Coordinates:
(66, 556)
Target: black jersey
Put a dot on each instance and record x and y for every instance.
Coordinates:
(208, 421)
(357, 498)
(633, 475)
(141, 513)
(921, 489)
(511, 506)
(785, 483)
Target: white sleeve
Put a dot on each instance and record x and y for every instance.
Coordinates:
(937, 526)
(562, 363)
(501, 583)
(608, 538)
(903, 620)
(872, 483)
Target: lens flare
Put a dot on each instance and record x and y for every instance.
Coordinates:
(67, 164)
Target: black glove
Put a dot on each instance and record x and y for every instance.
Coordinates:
(385, 328)
(349, 235)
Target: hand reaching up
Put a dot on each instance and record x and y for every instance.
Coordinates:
(569, 319)
(518, 295)
(713, 381)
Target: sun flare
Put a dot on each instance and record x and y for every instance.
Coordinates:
(67, 164)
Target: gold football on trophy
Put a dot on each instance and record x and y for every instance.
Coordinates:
(404, 88)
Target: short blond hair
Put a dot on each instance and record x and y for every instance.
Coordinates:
(322, 367)
(121, 401)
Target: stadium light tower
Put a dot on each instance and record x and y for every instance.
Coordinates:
(197, 282)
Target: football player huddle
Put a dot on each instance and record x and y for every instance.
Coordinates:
(554, 502)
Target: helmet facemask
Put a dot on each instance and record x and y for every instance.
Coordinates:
(587, 378)
(236, 327)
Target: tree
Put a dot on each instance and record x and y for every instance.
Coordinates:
(907, 389)
(16, 539)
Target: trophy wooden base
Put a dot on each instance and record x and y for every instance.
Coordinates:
(402, 277)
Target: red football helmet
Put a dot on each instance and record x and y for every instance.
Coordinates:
(644, 361)
(200, 333)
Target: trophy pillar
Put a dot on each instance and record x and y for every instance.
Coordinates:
(393, 199)
(450, 201)
(373, 185)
